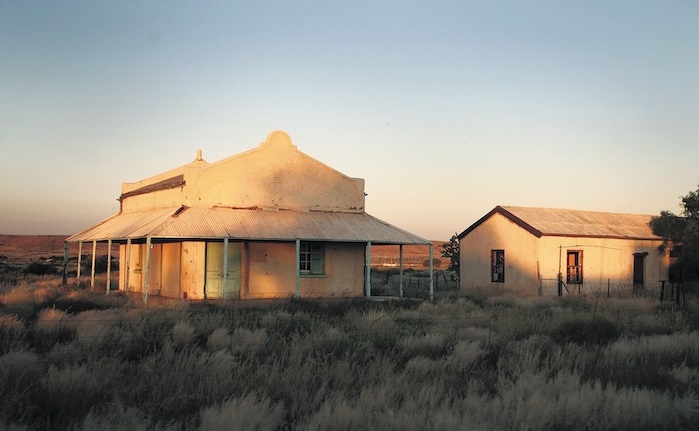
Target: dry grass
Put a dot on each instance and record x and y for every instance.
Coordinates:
(78, 360)
(249, 412)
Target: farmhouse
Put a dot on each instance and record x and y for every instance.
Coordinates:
(547, 251)
(269, 222)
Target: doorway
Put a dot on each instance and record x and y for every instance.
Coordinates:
(216, 285)
(639, 260)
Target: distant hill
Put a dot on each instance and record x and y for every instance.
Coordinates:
(21, 248)
(25, 248)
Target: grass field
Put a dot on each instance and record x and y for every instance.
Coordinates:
(74, 359)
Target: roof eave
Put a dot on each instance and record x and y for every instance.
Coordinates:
(630, 238)
(502, 211)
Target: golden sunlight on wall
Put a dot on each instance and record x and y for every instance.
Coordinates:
(531, 262)
(274, 175)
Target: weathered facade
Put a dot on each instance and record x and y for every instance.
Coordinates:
(541, 251)
(270, 222)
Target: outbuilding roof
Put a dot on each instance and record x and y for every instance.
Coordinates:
(217, 222)
(573, 223)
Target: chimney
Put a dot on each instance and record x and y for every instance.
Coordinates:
(198, 155)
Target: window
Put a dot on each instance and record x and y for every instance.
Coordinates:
(311, 258)
(574, 268)
(497, 263)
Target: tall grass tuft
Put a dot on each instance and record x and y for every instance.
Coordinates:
(182, 334)
(20, 387)
(249, 412)
(13, 334)
(219, 339)
(117, 417)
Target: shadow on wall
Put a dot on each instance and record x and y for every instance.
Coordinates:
(531, 265)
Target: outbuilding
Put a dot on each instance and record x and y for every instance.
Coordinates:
(557, 251)
(270, 222)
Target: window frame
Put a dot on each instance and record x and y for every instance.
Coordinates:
(497, 265)
(311, 259)
(574, 276)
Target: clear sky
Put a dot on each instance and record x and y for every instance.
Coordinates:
(445, 108)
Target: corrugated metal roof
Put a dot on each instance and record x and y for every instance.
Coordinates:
(575, 223)
(248, 224)
(126, 225)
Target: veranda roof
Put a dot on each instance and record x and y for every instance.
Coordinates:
(183, 222)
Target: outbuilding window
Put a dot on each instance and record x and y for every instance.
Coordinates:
(311, 258)
(574, 271)
(497, 264)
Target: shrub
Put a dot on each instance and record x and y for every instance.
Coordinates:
(586, 332)
(644, 361)
(117, 417)
(20, 375)
(574, 302)
(82, 300)
(182, 334)
(19, 300)
(219, 339)
(13, 334)
(100, 264)
(40, 268)
(70, 392)
(246, 341)
(250, 412)
(52, 326)
(534, 401)
(100, 331)
(465, 354)
(431, 345)
(509, 363)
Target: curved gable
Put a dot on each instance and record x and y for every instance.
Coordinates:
(276, 175)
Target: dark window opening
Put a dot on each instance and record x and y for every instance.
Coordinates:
(497, 263)
(574, 268)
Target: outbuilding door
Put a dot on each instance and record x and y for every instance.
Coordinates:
(638, 268)
(214, 285)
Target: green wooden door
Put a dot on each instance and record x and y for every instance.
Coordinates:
(214, 287)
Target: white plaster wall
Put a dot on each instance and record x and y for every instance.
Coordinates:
(604, 260)
(273, 175)
(271, 271)
(499, 233)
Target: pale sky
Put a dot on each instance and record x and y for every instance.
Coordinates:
(445, 108)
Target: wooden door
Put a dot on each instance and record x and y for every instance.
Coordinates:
(638, 268)
(171, 269)
(214, 285)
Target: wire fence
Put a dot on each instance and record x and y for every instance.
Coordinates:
(662, 290)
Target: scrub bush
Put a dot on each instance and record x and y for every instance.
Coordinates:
(182, 334)
(250, 412)
(40, 268)
(492, 363)
(586, 332)
(20, 387)
(13, 334)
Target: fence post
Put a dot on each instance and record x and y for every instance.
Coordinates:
(560, 284)
(662, 290)
(66, 255)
